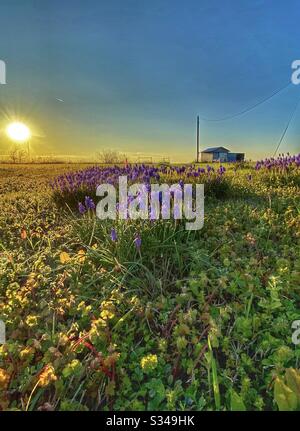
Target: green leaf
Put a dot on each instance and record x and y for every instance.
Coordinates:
(215, 379)
(236, 402)
(156, 393)
(292, 378)
(285, 398)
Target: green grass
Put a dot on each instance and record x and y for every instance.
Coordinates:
(213, 307)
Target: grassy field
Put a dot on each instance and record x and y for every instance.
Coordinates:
(184, 320)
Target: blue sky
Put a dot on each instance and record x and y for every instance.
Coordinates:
(133, 74)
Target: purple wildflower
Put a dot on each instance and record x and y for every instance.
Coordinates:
(138, 242)
(113, 235)
(81, 208)
(89, 203)
(221, 170)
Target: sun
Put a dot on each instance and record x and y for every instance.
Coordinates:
(18, 132)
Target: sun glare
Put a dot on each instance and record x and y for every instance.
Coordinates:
(18, 132)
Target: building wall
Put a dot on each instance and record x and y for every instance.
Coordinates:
(206, 157)
(240, 157)
(231, 157)
(222, 157)
(236, 157)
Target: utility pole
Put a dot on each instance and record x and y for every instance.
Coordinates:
(198, 142)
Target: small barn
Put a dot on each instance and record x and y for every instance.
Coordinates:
(220, 154)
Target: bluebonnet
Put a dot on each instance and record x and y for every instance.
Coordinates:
(81, 208)
(281, 162)
(113, 235)
(221, 170)
(89, 179)
(137, 242)
(89, 203)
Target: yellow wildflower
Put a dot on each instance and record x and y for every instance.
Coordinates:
(81, 256)
(31, 320)
(149, 363)
(107, 304)
(107, 315)
(47, 376)
(108, 310)
(4, 379)
(64, 257)
(85, 309)
(27, 353)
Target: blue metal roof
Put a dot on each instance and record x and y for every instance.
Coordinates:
(216, 150)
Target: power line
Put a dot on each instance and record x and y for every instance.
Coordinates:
(286, 127)
(229, 117)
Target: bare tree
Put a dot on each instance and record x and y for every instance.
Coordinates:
(17, 155)
(111, 156)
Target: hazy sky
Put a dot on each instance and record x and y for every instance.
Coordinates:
(132, 74)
